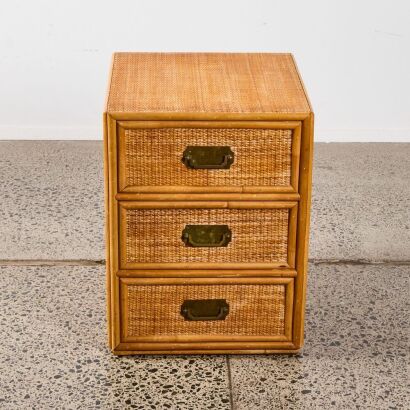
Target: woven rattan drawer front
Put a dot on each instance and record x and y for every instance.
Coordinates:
(266, 156)
(151, 235)
(259, 309)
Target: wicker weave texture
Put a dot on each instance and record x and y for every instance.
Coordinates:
(258, 235)
(258, 310)
(262, 157)
(205, 83)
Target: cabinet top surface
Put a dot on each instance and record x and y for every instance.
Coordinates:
(205, 83)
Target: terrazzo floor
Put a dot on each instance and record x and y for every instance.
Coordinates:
(53, 353)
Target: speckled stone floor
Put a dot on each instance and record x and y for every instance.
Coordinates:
(52, 318)
(52, 201)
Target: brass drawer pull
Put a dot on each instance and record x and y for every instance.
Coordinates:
(206, 236)
(207, 309)
(198, 157)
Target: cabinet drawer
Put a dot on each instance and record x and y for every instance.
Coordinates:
(207, 235)
(156, 156)
(170, 310)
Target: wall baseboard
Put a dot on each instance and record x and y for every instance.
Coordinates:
(11, 132)
(362, 135)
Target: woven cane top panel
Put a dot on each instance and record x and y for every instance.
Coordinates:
(254, 310)
(258, 235)
(262, 157)
(205, 83)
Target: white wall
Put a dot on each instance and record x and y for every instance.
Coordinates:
(354, 56)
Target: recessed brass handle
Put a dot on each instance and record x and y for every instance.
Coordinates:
(200, 157)
(206, 236)
(205, 309)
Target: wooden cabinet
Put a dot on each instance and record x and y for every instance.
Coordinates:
(208, 161)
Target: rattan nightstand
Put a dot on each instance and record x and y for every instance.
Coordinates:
(208, 177)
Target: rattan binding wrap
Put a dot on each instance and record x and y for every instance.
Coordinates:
(253, 310)
(258, 235)
(205, 83)
(262, 157)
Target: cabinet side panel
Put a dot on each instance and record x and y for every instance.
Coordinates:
(107, 206)
(305, 187)
(113, 231)
(106, 227)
